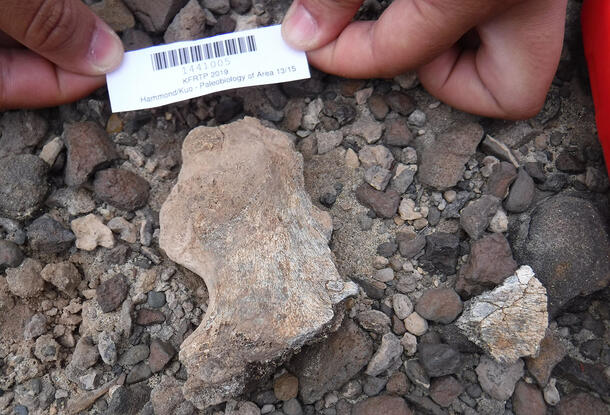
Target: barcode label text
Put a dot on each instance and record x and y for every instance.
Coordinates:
(197, 53)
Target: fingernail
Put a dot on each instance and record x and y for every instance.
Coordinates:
(106, 50)
(299, 27)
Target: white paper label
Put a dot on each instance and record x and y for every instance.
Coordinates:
(165, 74)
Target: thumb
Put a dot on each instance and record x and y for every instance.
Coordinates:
(311, 24)
(65, 32)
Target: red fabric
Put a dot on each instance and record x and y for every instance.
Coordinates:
(595, 20)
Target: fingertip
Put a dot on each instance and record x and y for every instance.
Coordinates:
(106, 50)
(299, 28)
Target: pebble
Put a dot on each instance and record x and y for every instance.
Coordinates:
(111, 293)
(386, 250)
(409, 344)
(417, 118)
(416, 373)
(528, 400)
(403, 177)
(373, 385)
(502, 176)
(91, 232)
(121, 188)
(384, 275)
(411, 245)
(550, 393)
(441, 305)
(384, 204)
(376, 156)
(115, 14)
(367, 128)
(521, 193)
(378, 107)
(23, 186)
(387, 355)
(397, 133)
(88, 149)
(439, 359)
(49, 236)
(148, 317)
(286, 387)
(402, 305)
(85, 354)
(10, 255)
(476, 216)
(499, 223)
(37, 326)
(351, 159)
(377, 177)
(217, 6)
(160, 354)
(51, 150)
(375, 321)
(498, 380)
(64, 276)
(46, 348)
(188, 24)
(408, 210)
(398, 384)
(127, 231)
(138, 373)
(75, 201)
(415, 324)
(134, 355)
(21, 131)
(241, 6)
(328, 141)
(400, 102)
(107, 348)
(445, 390)
(25, 280)
(155, 299)
(442, 251)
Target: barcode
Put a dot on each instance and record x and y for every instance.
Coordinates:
(198, 53)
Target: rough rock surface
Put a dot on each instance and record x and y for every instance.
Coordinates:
(89, 148)
(155, 15)
(264, 253)
(510, 321)
(489, 263)
(25, 280)
(441, 305)
(566, 246)
(477, 215)
(443, 161)
(394, 405)
(189, 24)
(121, 188)
(498, 379)
(91, 232)
(20, 131)
(23, 185)
(325, 366)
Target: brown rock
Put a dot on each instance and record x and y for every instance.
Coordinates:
(121, 188)
(88, 149)
(378, 405)
(148, 317)
(155, 15)
(286, 387)
(63, 275)
(442, 163)
(378, 107)
(441, 305)
(582, 403)
(503, 174)
(397, 133)
(552, 351)
(528, 400)
(400, 102)
(115, 13)
(328, 365)
(25, 281)
(243, 212)
(111, 293)
(490, 262)
(445, 389)
(167, 397)
(398, 384)
(384, 204)
(160, 355)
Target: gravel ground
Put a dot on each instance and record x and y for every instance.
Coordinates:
(431, 208)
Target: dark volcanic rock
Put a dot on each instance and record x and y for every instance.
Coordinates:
(111, 293)
(121, 188)
(20, 132)
(490, 262)
(442, 251)
(326, 366)
(384, 204)
(89, 149)
(400, 102)
(477, 214)
(566, 245)
(502, 176)
(10, 255)
(49, 236)
(397, 133)
(155, 15)
(439, 359)
(442, 163)
(521, 193)
(411, 247)
(444, 390)
(586, 375)
(581, 403)
(160, 354)
(23, 185)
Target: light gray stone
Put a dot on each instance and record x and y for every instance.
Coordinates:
(387, 354)
(240, 218)
(510, 321)
(497, 379)
(402, 306)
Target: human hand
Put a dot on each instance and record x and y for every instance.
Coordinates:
(506, 73)
(52, 52)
